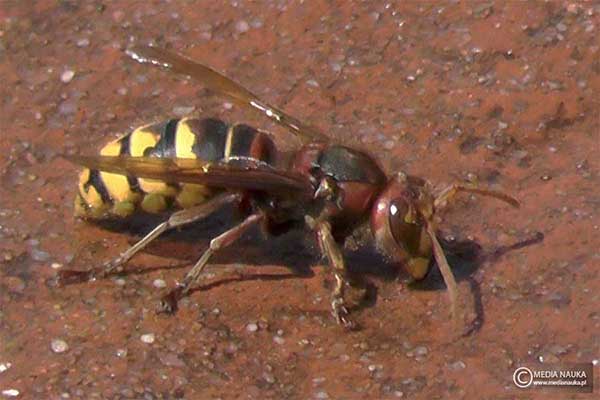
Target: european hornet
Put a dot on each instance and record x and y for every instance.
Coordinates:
(199, 165)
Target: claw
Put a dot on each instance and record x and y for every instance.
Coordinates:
(346, 322)
(69, 276)
(168, 303)
(112, 267)
(340, 313)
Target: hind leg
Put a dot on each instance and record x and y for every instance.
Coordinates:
(178, 218)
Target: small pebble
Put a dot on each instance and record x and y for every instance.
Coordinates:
(252, 327)
(372, 367)
(548, 358)
(159, 283)
(10, 392)
(557, 349)
(242, 26)
(147, 338)
(456, 366)
(182, 111)
(256, 23)
(56, 265)
(321, 395)
(67, 108)
(120, 281)
(59, 346)
(268, 377)
(121, 353)
(84, 42)
(171, 360)
(232, 348)
(420, 351)
(5, 366)
(39, 255)
(278, 339)
(67, 76)
(318, 380)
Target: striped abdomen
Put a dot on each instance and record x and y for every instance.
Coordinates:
(103, 194)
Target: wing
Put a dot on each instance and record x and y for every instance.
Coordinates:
(182, 170)
(222, 85)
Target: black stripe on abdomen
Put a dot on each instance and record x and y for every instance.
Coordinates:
(211, 137)
(165, 147)
(95, 180)
(125, 150)
(241, 141)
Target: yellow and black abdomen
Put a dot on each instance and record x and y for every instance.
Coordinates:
(105, 195)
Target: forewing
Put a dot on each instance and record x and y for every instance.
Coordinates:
(222, 85)
(249, 176)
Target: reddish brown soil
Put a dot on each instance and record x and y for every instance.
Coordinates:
(503, 94)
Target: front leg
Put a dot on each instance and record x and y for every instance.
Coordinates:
(331, 249)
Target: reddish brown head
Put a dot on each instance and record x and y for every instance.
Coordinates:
(399, 223)
(402, 223)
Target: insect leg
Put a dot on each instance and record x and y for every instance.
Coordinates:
(168, 303)
(449, 192)
(177, 219)
(331, 249)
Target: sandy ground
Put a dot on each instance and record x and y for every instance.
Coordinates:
(502, 94)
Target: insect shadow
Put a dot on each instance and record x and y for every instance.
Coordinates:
(466, 257)
(296, 253)
(187, 243)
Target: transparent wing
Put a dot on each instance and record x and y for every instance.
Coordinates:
(245, 176)
(222, 85)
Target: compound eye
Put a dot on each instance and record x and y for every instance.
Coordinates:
(405, 234)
